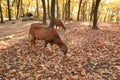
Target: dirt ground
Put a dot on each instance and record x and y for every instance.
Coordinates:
(92, 54)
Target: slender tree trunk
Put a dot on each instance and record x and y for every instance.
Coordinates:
(117, 16)
(89, 12)
(28, 6)
(92, 10)
(106, 14)
(1, 14)
(63, 9)
(18, 5)
(78, 15)
(83, 11)
(111, 16)
(37, 10)
(57, 9)
(88, 8)
(9, 10)
(13, 2)
(95, 15)
(44, 12)
(52, 14)
(98, 17)
(68, 8)
(21, 8)
(6, 13)
(48, 9)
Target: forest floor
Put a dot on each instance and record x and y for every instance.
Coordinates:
(92, 54)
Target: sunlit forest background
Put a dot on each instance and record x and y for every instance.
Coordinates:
(109, 10)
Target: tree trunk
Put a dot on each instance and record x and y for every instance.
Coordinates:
(117, 17)
(44, 12)
(92, 10)
(52, 14)
(37, 10)
(9, 10)
(95, 15)
(57, 9)
(83, 11)
(78, 15)
(21, 8)
(18, 5)
(48, 9)
(1, 14)
(106, 14)
(68, 8)
(63, 9)
(111, 16)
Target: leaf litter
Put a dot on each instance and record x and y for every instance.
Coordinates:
(92, 54)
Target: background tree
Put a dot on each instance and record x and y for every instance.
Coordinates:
(106, 14)
(63, 9)
(37, 9)
(57, 5)
(9, 10)
(48, 7)
(44, 12)
(117, 14)
(1, 14)
(78, 15)
(18, 5)
(95, 15)
(21, 8)
(83, 11)
(86, 9)
(92, 10)
(68, 8)
(52, 13)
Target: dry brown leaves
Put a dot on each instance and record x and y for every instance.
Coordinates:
(92, 55)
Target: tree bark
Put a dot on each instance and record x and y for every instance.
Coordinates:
(44, 12)
(57, 9)
(78, 15)
(37, 10)
(106, 14)
(68, 8)
(1, 14)
(83, 11)
(117, 17)
(111, 16)
(21, 8)
(18, 5)
(9, 10)
(48, 9)
(52, 14)
(92, 10)
(63, 9)
(95, 15)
